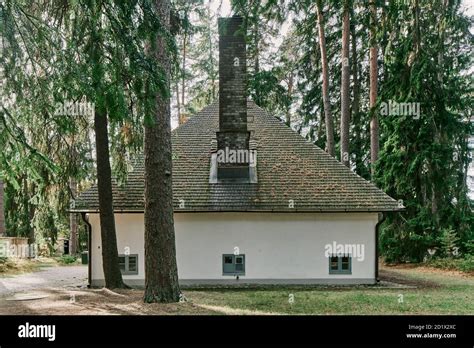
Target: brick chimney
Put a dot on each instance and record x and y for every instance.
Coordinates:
(2, 215)
(233, 134)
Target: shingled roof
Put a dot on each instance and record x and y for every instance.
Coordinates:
(289, 169)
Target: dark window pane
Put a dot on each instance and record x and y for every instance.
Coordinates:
(132, 263)
(239, 259)
(334, 261)
(122, 263)
(227, 259)
(345, 263)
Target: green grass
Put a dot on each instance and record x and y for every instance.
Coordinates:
(436, 293)
(465, 264)
(67, 260)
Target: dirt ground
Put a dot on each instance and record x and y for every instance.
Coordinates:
(62, 290)
(51, 276)
(94, 302)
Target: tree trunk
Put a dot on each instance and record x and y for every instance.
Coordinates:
(31, 229)
(73, 221)
(110, 261)
(178, 102)
(374, 122)
(356, 101)
(345, 76)
(30, 209)
(383, 45)
(438, 137)
(256, 67)
(290, 96)
(211, 57)
(161, 271)
(183, 76)
(2, 213)
(324, 62)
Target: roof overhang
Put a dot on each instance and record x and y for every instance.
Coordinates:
(201, 210)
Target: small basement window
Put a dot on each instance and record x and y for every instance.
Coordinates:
(233, 264)
(340, 264)
(128, 264)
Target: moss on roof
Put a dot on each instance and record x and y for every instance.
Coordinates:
(288, 168)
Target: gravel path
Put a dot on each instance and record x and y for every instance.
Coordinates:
(47, 277)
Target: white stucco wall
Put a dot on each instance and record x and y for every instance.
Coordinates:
(277, 246)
